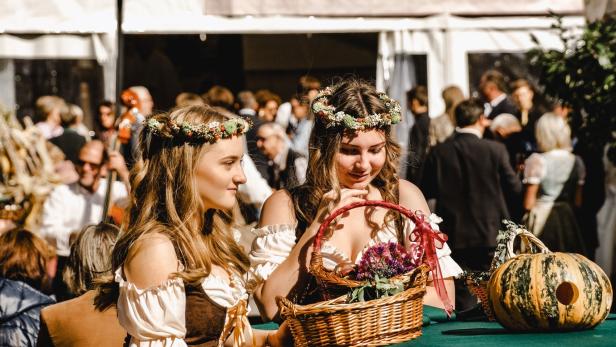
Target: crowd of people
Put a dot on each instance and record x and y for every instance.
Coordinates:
(221, 198)
(526, 171)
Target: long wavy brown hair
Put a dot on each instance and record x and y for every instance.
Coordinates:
(164, 198)
(24, 257)
(358, 99)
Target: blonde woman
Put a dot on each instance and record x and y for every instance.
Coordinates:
(180, 274)
(553, 181)
(352, 157)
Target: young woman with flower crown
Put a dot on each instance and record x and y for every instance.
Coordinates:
(352, 157)
(180, 274)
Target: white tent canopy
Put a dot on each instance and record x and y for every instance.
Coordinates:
(86, 28)
(98, 16)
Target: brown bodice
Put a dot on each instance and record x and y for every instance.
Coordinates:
(205, 319)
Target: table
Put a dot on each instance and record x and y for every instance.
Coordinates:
(447, 333)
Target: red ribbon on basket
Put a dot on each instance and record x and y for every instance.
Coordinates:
(429, 240)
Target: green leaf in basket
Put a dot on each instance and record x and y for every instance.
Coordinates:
(352, 296)
(361, 293)
(358, 294)
(381, 287)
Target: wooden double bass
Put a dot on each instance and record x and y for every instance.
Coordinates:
(124, 126)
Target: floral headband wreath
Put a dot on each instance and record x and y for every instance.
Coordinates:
(205, 132)
(322, 108)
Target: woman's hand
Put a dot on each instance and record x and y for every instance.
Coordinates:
(328, 204)
(282, 337)
(331, 202)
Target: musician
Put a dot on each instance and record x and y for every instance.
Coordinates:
(71, 207)
(139, 103)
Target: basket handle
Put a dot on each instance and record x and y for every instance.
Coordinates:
(285, 307)
(419, 276)
(527, 238)
(325, 224)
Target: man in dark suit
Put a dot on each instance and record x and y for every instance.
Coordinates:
(492, 86)
(417, 99)
(470, 178)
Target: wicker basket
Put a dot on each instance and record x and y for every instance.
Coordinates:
(479, 288)
(376, 322)
(504, 252)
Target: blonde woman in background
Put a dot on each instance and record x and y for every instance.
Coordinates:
(554, 180)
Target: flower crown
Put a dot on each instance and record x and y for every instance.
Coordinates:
(322, 108)
(209, 132)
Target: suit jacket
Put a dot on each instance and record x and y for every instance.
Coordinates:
(76, 322)
(505, 106)
(470, 178)
(259, 159)
(286, 178)
(418, 147)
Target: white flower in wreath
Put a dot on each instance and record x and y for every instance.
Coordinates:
(372, 120)
(154, 124)
(338, 117)
(318, 107)
(213, 125)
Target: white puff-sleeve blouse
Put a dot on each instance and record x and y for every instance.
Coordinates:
(273, 244)
(156, 317)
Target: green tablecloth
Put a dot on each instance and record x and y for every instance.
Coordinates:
(443, 332)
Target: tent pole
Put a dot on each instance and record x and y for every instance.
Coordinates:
(119, 72)
(120, 58)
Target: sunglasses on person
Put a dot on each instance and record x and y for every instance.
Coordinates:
(93, 166)
(263, 138)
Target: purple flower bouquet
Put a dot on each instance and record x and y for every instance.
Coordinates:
(378, 267)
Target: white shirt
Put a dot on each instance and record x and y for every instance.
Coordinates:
(71, 207)
(49, 131)
(301, 164)
(470, 131)
(301, 140)
(489, 106)
(284, 114)
(255, 190)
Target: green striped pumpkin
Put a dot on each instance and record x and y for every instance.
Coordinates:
(550, 292)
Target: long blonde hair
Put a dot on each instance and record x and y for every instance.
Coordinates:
(356, 98)
(552, 132)
(164, 198)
